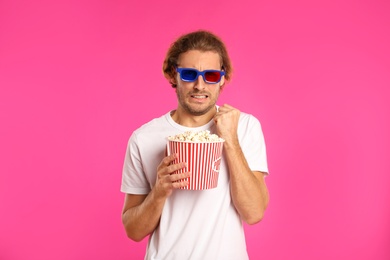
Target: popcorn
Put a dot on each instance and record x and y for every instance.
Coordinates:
(201, 136)
(202, 152)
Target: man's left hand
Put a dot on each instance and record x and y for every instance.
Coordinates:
(226, 121)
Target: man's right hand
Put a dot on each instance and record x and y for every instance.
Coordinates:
(167, 179)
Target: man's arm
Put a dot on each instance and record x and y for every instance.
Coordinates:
(141, 213)
(248, 189)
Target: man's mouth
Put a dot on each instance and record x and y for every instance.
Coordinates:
(199, 96)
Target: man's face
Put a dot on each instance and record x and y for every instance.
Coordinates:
(198, 97)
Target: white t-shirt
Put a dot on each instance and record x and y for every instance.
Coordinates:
(199, 225)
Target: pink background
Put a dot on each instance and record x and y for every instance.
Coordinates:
(77, 77)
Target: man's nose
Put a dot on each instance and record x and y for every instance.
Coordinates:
(200, 83)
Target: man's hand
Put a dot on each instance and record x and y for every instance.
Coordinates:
(226, 121)
(167, 180)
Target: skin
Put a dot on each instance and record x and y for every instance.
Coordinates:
(196, 107)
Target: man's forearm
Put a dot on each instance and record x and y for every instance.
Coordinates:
(248, 189)
(141, 220)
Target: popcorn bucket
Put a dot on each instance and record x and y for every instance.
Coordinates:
(203, 161)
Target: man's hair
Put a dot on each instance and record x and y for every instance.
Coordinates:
(200, 40)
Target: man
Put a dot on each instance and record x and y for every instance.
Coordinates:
(186, 224)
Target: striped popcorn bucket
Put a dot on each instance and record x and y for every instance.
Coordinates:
(203, 161)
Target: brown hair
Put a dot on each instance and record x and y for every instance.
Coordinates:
(199, 40)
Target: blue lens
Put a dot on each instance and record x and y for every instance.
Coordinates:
(188, 74)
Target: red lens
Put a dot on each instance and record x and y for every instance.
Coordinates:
(212, 76)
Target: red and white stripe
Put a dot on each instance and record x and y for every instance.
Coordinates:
(203, 161)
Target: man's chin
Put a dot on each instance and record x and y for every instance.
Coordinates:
(199, 111)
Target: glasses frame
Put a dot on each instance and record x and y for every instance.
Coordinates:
(200, 73)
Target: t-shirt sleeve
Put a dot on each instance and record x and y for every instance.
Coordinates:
(253, 144)
(134, 180)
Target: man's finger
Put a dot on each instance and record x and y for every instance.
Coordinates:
(175, 167)
(169, 159)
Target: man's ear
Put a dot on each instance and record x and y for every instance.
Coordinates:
(173, 82)
(222, 83)
(173, 79)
